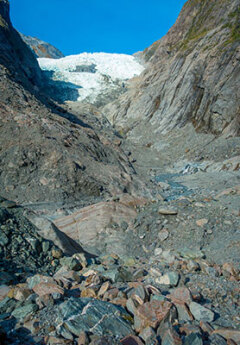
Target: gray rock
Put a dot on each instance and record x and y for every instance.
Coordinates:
(158, 251)
(4, 215)
(216, 339)
(111, 274)
(8, 204)
(71, 262)
(6, 278)
(91, 315)
(124, 225)
(7, 305)
(3, 239)
(45, 246)
(193, 339)
(141, 292)
(183, 314)
(158, 298)
(22, 312)
(163, 235)
(201, 313)
(148, 335)
(131, 306)
(169, 278)
(193, 266)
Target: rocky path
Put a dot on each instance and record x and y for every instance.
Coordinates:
(168, 274)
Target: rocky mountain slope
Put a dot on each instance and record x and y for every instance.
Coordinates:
(192, 74)
(40, 48)
(96, 78)
(49, 153)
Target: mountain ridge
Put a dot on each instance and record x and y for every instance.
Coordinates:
(40, 48)
(184, 80)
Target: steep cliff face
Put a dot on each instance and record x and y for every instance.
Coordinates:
(192, 74)
(48, 153)
(40, 48)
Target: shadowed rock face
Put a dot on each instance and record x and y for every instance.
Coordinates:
(41, 48)
(16, 59)
(48, 153)
(192, 74)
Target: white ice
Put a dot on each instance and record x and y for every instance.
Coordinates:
(110, 68)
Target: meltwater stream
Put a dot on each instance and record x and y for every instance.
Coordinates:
(176, 189)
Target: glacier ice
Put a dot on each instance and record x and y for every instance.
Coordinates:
(93, 75)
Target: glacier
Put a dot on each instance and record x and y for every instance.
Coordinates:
(95, 78)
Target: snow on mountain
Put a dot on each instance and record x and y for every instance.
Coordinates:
(92, 77)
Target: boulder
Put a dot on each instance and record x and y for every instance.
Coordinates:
(78, 315)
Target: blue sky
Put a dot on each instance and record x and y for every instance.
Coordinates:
(76, 26)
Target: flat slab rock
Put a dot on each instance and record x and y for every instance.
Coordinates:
(77, 315)
(86, 224)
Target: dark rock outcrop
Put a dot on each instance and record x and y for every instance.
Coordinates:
(16, 59)
(192, 74)
(41, 49)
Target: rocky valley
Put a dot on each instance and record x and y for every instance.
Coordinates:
(120, 188)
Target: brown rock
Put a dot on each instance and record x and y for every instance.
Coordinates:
(120, 301)
(111, 294)
(21, 292)
(45, 300)
(57, 253)
(229, 333)
(188, 329)
(134, 284)
(58, 341)
(66, 277)
(33, 326)
(202, 222)
(89, 273)
(103, 289)
(131, 340)
(228, 267)
(181, 295)
(93, 280)
(137, 298)
(234, 190)
(231, 342)
(47, 288)
(86, 224)
(151, 314)
(88, 293)
(152, 289)
(83, 339)
(206, 327)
